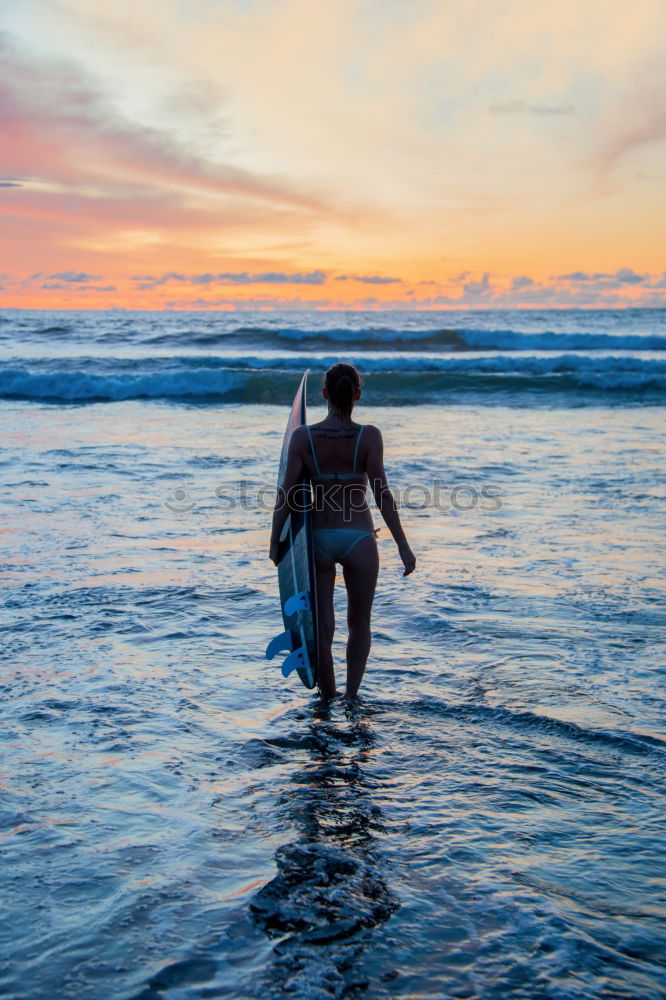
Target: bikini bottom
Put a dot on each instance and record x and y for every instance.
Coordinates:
(336, 543)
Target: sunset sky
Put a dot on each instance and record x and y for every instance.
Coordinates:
(353, 154)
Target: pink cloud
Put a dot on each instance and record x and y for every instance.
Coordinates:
(58, 125)
(639, 118)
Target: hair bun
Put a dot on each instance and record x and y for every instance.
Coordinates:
(340, 382)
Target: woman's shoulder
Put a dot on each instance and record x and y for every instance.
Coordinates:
(371, 432)
(298, 436)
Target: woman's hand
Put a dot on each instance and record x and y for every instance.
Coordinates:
(408, 558)
(273, 552)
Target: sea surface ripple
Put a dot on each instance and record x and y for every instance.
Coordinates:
(178, 822)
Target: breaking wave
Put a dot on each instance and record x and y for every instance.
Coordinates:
(389, 380)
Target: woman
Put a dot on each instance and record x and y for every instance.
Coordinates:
(340, 457)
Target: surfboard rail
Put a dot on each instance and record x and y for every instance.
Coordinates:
(297, 579)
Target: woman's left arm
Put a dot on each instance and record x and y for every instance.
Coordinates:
(293, 475)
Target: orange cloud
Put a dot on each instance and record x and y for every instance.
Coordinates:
(232, 146)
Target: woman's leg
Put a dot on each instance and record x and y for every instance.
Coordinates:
(360, 570)
(326, 624)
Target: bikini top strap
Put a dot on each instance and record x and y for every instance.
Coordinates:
(358, 441)
(314, 453)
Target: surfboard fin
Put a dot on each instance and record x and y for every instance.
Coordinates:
(297, 660)
(297, 602)
(281, 642)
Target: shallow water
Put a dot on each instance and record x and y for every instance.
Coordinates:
(178, 821)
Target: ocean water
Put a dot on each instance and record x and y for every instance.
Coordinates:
(177, 821)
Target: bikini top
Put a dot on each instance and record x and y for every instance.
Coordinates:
(328, 476)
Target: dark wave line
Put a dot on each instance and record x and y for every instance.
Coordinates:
(217, 332)
(449, 340)
(642, 745)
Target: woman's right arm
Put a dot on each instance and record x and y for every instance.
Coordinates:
(384, 498)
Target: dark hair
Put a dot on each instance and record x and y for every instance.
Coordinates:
(341, 380)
